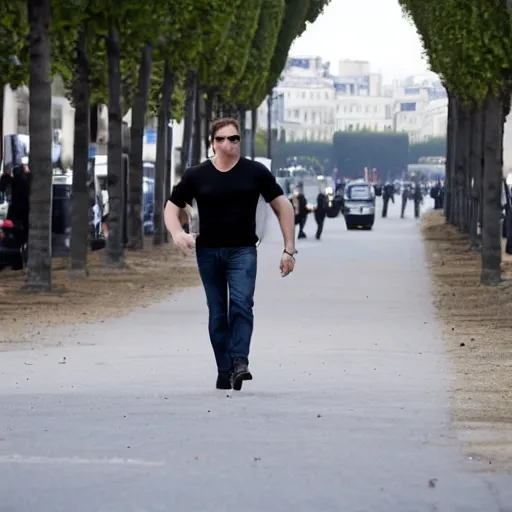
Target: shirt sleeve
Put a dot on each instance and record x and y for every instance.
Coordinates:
(183, 193)
(270, 189)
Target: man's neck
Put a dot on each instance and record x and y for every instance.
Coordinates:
(225, 163)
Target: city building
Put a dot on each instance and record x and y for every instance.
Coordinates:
(418, 107)
(306, 96)
(311, 103)
(434, 121)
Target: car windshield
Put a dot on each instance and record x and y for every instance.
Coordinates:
(359, 193)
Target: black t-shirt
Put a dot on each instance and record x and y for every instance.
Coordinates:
(226, 201)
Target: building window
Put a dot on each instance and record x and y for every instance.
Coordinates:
(408, 107)
(296, 114)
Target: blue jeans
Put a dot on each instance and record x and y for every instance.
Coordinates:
(229, 278)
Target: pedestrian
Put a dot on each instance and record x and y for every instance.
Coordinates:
(388, 193)
(322, 205)
(437, 194)
(405, 196)
(417, 196)
(227, 189)
(301, 210)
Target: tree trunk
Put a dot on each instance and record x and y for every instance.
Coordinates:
(80, 202)
(169, 171)
(115, 247)
(161, 145)
(207, 121)
(462, 168)
(39, 278)
(475, 165)
(254, 127)
(187, 122)
(269, 126)
(243, 131)
(448, 179)
(134, 206)
(197, 139)
(492, 190)
(2, 107)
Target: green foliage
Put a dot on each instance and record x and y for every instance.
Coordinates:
(388, 152)
(468, 42)
(316, 7)
(216, 18)
(238, 48)
(436, 146)
(260, 55)
(294, 23)
(13, 43)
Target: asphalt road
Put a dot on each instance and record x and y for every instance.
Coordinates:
(349, 410)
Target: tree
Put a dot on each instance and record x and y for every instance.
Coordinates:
(80, 191)
(39, 277)
(177, 56)
(139, 109)
(470, 44)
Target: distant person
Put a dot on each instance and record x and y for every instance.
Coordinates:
(437, 194)
(417, 197)
(406, 192)
(301, 210)
(227, 189)
(388, 194)
(322, 205)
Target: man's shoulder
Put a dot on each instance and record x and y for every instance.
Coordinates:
(195, 170)
(254, 165)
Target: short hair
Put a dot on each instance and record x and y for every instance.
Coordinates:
(216, 125)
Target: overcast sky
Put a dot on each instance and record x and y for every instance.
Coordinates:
(372, 30)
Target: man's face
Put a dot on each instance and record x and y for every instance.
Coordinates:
(227, 141)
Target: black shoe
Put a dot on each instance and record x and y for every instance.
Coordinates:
(223, 380)
(240, 373)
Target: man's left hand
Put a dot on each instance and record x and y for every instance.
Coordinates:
(287, 264)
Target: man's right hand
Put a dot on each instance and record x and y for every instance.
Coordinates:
(184, 242)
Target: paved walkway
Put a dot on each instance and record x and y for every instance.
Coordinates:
(348, 412)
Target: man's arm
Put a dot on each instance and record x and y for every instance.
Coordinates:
(284, 212)
(172, 219)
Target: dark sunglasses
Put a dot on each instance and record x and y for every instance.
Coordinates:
(231, 138)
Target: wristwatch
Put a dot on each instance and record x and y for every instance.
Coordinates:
(292, 254)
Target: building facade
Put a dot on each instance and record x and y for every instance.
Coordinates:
(314, 103)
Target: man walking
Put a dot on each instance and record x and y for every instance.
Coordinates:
(388, 193)
(322, 205)
(227, 189)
